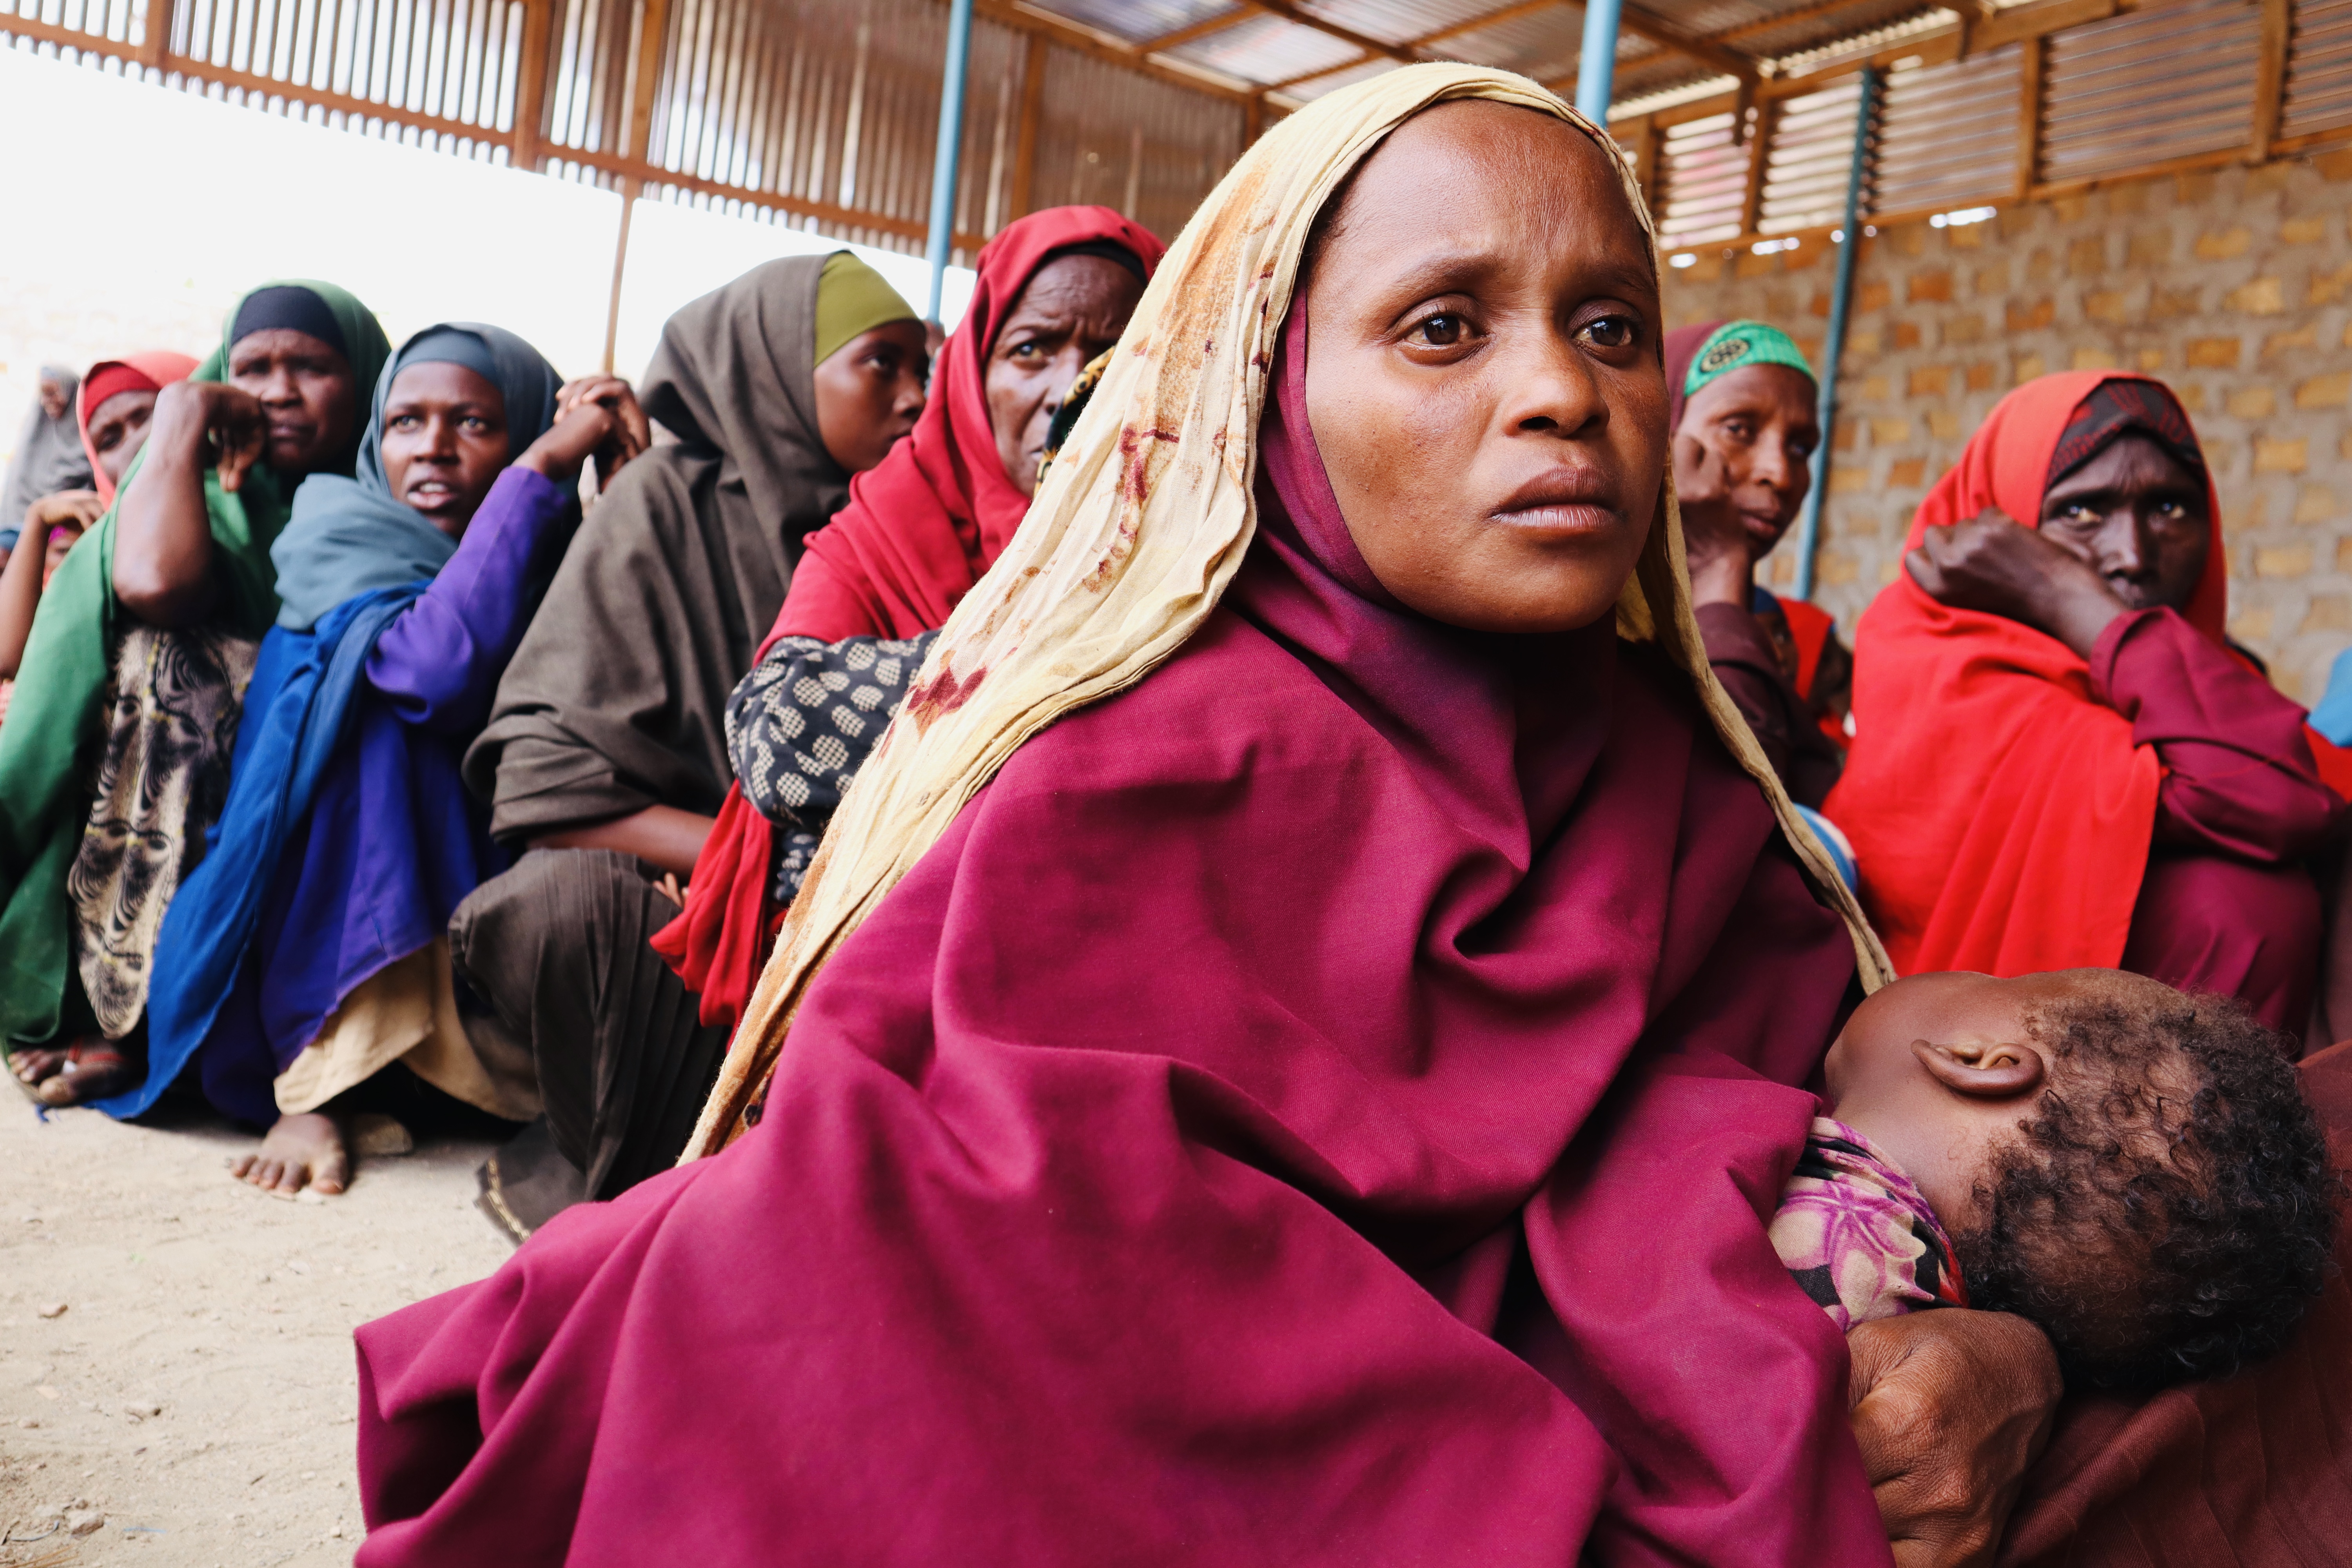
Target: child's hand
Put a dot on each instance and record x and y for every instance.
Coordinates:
(80, 507)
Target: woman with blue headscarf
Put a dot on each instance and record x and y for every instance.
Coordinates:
(308, 954)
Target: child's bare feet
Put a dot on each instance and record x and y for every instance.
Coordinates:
(305, 1149)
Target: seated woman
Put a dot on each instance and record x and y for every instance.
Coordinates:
(47, 459)
(2057, 762)
(308, 954)
(1056, 289)
(605, 752)
(113, 409)
(1287, 1053)
(1744, 431)
(135, 671)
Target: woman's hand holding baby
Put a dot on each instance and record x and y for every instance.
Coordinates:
(1949, 1408)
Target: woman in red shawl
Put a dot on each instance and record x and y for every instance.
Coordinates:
(1311, 1092)
(2058, 760)
(1056, 289)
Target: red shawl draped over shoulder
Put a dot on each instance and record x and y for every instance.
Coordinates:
(1999, 813)
(1321, 1105)
(921, 527)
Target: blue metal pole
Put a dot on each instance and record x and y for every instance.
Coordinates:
(950, 150)
(1809, 522)
(1596, 63)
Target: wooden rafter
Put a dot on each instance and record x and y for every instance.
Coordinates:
(1417, 47)
(1199, 29)
(1666, 35)
(1081, 39)
(1370, 46)
(1789, 18)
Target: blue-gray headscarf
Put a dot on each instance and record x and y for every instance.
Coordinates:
(348, 536)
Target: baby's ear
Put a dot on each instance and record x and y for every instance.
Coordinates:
(2001, 1072)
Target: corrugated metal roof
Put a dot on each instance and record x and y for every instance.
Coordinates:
(1267, 49)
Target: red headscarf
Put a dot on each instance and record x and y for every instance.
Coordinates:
(2000, 814)
(921, 527)
(131, 373)
(1175, 1167)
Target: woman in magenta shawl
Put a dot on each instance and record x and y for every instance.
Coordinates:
(1287, 1048)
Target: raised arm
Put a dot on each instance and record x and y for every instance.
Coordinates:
(162, 536)
(20, 584)
(439, 661)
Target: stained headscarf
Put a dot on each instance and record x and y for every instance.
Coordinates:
(47, 460)
(921, 526)
(2000, 814)
(56, 719)
(347, 536)
(151, 371)
(1709, 351)
(1259, 1151)
(617, 697)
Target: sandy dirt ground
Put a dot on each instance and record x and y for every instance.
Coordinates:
(195, 1398)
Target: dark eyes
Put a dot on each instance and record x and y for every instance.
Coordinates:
(1613, 333)
(1443, 331)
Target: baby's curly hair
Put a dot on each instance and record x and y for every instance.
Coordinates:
(2168, 1211)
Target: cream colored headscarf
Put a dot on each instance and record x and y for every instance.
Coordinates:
(1138, 528)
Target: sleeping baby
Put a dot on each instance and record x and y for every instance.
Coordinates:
(2133, 1169)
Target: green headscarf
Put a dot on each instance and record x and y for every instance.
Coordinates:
(56, 717)
(1735, 346)
(852, 298)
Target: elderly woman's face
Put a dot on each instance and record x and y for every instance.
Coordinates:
(1751, 434)
(2140, 518)
(1074, 308)
(310, 399)
(1483, 374)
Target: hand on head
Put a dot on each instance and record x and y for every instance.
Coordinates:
(1483, 379)
(595, 416)
(1074, 308)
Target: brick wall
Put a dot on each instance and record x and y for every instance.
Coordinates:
(2234, 286)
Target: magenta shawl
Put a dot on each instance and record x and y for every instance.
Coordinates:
(1321, 1106)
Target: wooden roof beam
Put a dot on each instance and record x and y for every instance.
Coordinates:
(1801, 14)
(1291, 13)
(1240, 12)
(1642, 25)
(1081, 39)
(1468, 25)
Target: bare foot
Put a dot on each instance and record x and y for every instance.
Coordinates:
(85, 1071)
(305, 1149)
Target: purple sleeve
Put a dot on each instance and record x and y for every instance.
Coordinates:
(440, 659)
(2238, 773)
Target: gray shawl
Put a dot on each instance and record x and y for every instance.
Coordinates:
(617, 697)
(49, 457)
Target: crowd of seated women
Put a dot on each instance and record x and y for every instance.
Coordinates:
(1344, 894)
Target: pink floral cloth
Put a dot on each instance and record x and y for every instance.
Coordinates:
(1858, 1234)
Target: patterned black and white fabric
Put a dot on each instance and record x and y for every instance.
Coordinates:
(800, 725)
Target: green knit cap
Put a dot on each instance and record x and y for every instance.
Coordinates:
(852, 298)
(1735, 346)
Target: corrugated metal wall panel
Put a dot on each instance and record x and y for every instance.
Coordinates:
(1702, 182)
(2148, 86)
(2319, 69)
(1948, 135)
(1810, 160)
(1147, 149)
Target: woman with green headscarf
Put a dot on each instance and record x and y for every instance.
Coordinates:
(135, 671)
(1743, 431)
